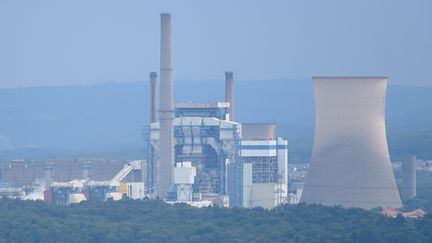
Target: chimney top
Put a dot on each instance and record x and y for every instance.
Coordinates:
(229, 74)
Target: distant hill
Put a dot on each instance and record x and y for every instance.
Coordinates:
(111, 114)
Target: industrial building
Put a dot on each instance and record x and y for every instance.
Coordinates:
(245, 163)
(350, 164)
(226, 164)
(265, 167)
(23, 173)
(127, 182)
(208, 142)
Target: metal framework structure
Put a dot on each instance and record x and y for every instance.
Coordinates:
(264, 169)
(210, 144)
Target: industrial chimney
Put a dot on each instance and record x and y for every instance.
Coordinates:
(229, 94)
(85, 168)
(350, 164)
(49, 177)
(153, 97)
(166, 110)
(408, 177)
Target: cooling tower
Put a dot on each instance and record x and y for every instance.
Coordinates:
(408, 177)
(153, 97)
(350, 164)
(166, 110)
(229, 93)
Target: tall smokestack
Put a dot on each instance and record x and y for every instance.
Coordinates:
(85, 168)
(166, 110)
(153, 97)
(229, 93)
(49, 167)
(408, 177)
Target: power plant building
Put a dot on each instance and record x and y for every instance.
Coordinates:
(205, 139)
(350, 164)
(265, 167)
(199, 154)
(210, 143)
(250, 172)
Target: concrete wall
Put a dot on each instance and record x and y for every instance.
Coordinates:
(263, 195)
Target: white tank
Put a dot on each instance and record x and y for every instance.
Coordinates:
(350, 164)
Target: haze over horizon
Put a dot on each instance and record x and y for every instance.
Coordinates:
(82, 43)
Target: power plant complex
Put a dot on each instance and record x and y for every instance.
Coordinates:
(197, 153)
(248, 163)
(243, 165)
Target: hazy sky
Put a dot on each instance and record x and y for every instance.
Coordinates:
(52, 42)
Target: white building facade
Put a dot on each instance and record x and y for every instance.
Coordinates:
(265, 172)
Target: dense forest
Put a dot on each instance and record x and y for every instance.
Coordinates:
(415, 142)
(156, 221)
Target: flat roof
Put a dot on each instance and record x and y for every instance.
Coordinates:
(183, 105)
(259, 123)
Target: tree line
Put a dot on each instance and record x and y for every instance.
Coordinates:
(156, 221)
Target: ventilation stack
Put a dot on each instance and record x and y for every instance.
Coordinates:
(85, 168)
(408, 177)
(153, 97)
(350, 164)
(229, 94)
(166, 110)
(49, 175)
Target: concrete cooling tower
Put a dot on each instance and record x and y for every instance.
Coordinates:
(350, 164)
